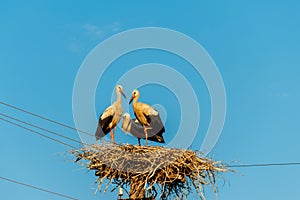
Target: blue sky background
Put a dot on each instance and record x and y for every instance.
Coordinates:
(254, 44)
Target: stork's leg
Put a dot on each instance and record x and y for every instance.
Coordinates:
(112, 135)
(139, 140)
(146, 133)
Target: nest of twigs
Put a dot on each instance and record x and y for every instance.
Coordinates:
(159, 172)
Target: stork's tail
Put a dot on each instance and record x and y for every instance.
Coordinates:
(99, 133)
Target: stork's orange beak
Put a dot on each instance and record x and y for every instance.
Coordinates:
(132, 97)
(122, 92)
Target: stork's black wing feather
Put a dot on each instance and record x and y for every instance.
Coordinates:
(103, 126)
(155, 134)
(157, 127)
(148, 117)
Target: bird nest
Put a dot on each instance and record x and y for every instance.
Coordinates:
(166, 173)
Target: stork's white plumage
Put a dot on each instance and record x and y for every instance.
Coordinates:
(111, 116)
(146, 115)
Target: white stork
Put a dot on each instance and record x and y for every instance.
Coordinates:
(146, 115)
(134, 127)
(111, 116)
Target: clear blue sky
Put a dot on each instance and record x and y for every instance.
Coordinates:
(255, 45)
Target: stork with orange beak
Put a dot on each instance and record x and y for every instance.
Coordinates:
(146, 115)
(109, 119)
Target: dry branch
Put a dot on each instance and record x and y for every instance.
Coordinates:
(166, 173)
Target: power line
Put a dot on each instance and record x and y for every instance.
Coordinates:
(60, 135)
(37, 188)
(264, 164)
(45, 118)
(36, 132)
(72, 128)
(43, 129)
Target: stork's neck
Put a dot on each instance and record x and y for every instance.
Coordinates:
(135, 101)
(119, 99)
(128, 127)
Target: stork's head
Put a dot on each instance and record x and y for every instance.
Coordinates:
(126, 122)
(135, 94)
(119, 88)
